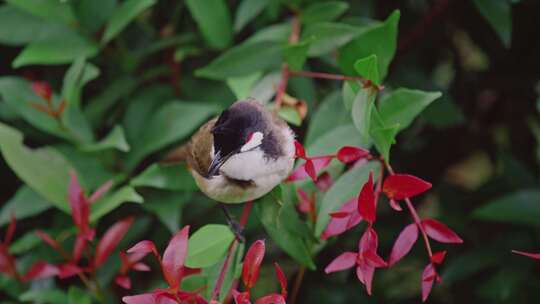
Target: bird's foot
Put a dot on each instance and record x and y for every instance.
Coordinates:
(234, 225)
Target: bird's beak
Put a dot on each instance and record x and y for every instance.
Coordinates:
(217, 162)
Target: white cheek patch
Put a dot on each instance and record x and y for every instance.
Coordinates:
(254, 141)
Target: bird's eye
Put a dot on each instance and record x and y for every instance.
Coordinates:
(253, 140)
(249, 137)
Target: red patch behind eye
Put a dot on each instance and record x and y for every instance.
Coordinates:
(250, 135)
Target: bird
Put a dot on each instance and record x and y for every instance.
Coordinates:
(241, 155)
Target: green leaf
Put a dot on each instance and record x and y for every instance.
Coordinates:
(320, 124)
(274, 33)
(34, 29)
(18, 94)
(167, 206)
(171, 122)
(330, 142)
(367, 67)
(208, 245)
(268, 210)
(233, 272)
(25, 203)
(323, 11)
(114, 140)
(499, 15)
(110, 201)
(383, 135)
(77, 76)
(328, 36)
(176, 177)
(402, 106)
(44, 170)
(25, 243)
(361, 111)
(123, 15)
(78, 296)
(290, 115)
(243, 60)
(348, 92)
(296, 54)
(241, 86)
(52, 10)
(44, 295)
(247, 10)
(92, 14)
(522, 207)
(57, 50)
(379, 39)
(345, 188)
(214, 21)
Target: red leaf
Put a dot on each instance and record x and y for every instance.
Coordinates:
(49, 240)
(68, 270)
(80, 244)
(324, 182)
(337, 226)
(42, 89)
(145, 298)
(395, 205)
(100, 191)
(440, 232)
(364, 273)
(319, 163)
(310, 169)
(41, 270)
(110, 240)
(401, 186)
(344, 261)
(528, 254)
(339, 214)
(428, 278)
(123, 281)
(252, 263)
(350, 154)
(368, 242)
(305, 203)
(7, 261)
(374, 260)
(271, 299)
(282, 279)
(80, 209)
(10, 230)
(438, 257)
(404, 243)
(142, 267)
(366, 201)
(174, 257)
(144, 247)
(300, 151)
(190, 297)
(241, 297)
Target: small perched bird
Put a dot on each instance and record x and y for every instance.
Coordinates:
(240, 155)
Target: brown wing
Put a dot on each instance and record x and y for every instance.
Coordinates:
(200, 148)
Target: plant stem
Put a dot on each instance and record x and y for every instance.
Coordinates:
(297, 284)
(329, 76)
(232, 249)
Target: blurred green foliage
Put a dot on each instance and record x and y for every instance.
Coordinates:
(135, 78)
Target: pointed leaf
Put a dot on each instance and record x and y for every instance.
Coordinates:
(438, 257)
(213, 20)
(440, 232)
(374, 260)
(208, 245)
(144, 247)
(367, 68)
(123, 15)
(324, 182)
(344, 261)
(535, 256)
(10, 230)
(401, 186)
(282, 279)
(123, 281)
(41, 270)
(364, 273)
(350, 154)
(428, 278)
(110, 240)
(366, 201)
(337, 226)
(271, 299)
(404, 243)
(252, 263)
(316, 164)
(174, 257)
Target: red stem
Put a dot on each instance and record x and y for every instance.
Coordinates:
(329, 76)
(232, 249)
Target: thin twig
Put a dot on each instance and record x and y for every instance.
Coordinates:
(297, 284)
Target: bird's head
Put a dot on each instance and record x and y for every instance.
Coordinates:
(243, 137)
